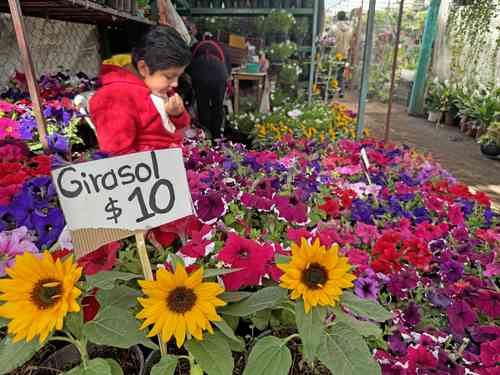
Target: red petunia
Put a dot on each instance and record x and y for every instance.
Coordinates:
(331, 207)
(60, 254)
(103, 259)
(420, 359)
(39, 166)
(417, 253)
(90, 306)
(250, 256)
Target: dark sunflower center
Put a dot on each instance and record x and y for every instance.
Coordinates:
(46, 293)
(181, 300)
(315, 276)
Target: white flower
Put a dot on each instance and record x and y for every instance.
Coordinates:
(295, 114)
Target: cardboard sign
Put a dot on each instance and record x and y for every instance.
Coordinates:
(366, 165)
(110, 199)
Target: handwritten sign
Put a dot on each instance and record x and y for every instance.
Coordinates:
(124, 194)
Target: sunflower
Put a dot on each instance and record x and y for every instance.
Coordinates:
(316, 274)
(38, 295)
(179, 303)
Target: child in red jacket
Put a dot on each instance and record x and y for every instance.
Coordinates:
(137, 109)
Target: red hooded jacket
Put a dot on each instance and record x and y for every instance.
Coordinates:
(125, 117)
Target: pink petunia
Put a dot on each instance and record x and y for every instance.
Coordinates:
(296, 235)
(200, 244)
(6, 107)
(367, 233)
(9, 129)
(13, 243)
(456, 215)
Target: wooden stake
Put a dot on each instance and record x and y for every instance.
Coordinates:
(29, 71)
(148, 274)
(393, 72)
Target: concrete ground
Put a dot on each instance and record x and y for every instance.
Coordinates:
(455, 151)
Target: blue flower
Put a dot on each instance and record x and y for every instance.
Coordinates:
(361, 211)
(48, 226)
(59, 143)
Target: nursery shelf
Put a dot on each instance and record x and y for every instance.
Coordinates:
(81, 11)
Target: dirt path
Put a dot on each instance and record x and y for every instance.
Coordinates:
(455, 151)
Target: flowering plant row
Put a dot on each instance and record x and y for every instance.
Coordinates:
(286, 265)
(62, 119)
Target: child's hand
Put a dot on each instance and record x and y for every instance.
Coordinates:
(175, 106)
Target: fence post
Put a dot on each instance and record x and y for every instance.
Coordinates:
(418, 91)
(365, 73)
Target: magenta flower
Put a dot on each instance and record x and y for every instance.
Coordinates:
(490, 353)
(296, 235)
(9, 129)
(291, 209)
(210, 207)
(256, 202)
(488, 302)
(420, 359)
(13, 243)
(6, 107)
(200, 244)
(460, 316)
(366, 232)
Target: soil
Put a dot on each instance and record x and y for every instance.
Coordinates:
(455, 151)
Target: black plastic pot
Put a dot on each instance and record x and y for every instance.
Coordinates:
(491, 150)
(68, 357)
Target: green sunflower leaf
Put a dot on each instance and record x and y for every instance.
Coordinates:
(115, 327)
(234, 296)
(213, 354)
(311, 328)
(121, 296)
(270, 355)
(227, 330)
(114, 366)
(365, 308)
(74, 323)
(14, 355)
(107, 279)
(166, 366)
(98, 366)
(214, 272)
(3, 322)
(364, 328)
(266, 298)
(345, 352)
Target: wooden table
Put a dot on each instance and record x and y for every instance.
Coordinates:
(243, 76)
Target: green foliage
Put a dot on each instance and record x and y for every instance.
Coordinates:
(213, 354)
(96, 366)
(14, 355)
(106, 279)
(281, 51)
(278, 21)
(345, 352)
(365, 308)
(263, 299)
(311, 328)
(115, 327)
(166, 366)
(270, 355)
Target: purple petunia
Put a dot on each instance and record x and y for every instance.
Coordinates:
(210, 207)
(13, 243)
(460, 315)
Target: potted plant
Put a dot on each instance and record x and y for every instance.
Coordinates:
(99, 332)
(277, 25)
(280, 52)
(434, 102)
(490, 141)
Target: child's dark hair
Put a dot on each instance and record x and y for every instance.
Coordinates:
(162, 47)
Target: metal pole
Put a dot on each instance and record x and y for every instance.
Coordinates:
(393, 73)
(424, 59)
(313, 50)
(366, 69)
(29, 71)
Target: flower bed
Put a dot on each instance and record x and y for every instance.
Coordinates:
(298, 121)
(292, 255)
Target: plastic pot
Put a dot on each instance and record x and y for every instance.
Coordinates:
(491, 150)
(68, 357)
(435, 116)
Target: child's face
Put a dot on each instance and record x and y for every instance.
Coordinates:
(161, 81)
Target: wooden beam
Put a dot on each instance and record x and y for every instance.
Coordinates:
(29, 71)
(243, 12)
